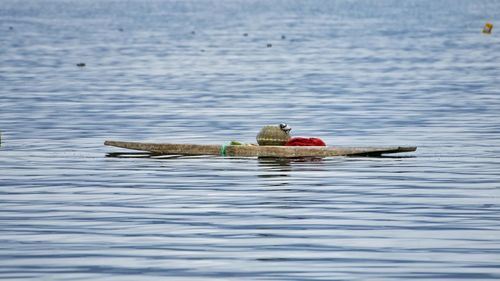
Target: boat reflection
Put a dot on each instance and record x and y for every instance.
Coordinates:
(272, 167)
(286, 162)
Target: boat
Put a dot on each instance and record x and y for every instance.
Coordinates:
(257, 150)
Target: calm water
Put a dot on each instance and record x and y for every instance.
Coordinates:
(351, 72)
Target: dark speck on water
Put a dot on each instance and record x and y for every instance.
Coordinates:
(269, 45)
(356, 73)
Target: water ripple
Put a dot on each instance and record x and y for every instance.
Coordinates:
(364, 73)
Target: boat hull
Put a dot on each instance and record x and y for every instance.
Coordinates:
(258, 151)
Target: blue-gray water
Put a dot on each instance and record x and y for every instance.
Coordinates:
(351, 72)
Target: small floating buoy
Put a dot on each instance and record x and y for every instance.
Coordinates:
(269, 45)
(488, 27)
(81, 64)
(283, 37)
(245, 34)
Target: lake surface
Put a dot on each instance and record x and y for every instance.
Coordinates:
(353, 73)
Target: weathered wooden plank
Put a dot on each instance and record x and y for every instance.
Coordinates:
(257, 151)
(169, 148)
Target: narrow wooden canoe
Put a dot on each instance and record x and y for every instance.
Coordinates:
(258, 151)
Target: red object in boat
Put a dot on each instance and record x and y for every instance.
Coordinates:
(305, 142)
